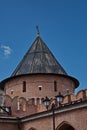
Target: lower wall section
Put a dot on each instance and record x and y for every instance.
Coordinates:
(8, 126)
(74, 119)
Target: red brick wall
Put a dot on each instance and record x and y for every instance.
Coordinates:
(76, 118)
(32, 83)
(20, 106)
(8, 126)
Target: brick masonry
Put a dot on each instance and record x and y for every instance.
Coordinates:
(30, 103)
(34, 81)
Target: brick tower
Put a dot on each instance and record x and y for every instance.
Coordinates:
(38, 74)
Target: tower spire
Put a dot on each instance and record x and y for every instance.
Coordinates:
(37, 28)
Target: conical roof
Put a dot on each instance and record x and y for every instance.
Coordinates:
(38, 59)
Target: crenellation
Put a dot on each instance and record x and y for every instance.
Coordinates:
(25, 106)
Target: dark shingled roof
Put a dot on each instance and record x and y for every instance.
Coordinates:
(39, 59)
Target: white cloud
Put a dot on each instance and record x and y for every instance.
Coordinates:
(6, 50)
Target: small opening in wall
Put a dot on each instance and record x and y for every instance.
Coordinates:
(24, 86)
(12, 91)
(55, 86)
(40, 87)
(67, 91)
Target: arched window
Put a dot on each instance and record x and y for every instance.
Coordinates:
(65, 126)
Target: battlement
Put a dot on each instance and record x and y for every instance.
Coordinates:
(22, 106)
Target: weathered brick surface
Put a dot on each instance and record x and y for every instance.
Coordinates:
(21, 106)
(8, 126)
(31, 102)
(34, 81)
(76, 118)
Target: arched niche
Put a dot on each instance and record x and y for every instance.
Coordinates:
(65, 126)
(32, 128)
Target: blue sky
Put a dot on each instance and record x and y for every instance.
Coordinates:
(62, 25)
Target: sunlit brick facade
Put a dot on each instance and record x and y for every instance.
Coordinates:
(39, 75)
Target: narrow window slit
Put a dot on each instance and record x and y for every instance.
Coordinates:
(24, 86)
(55, 86)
